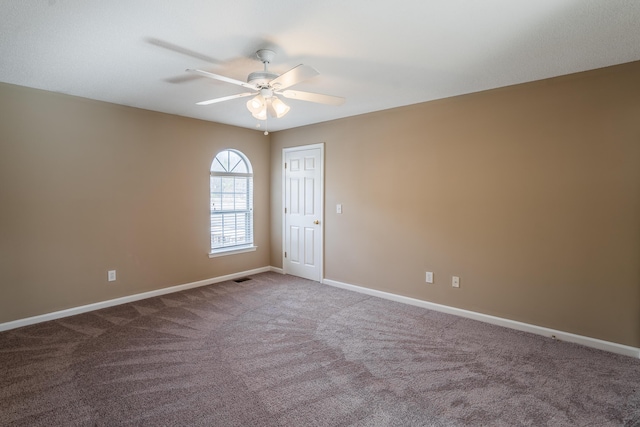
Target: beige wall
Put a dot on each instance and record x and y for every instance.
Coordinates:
(87, 186)
(531, 194)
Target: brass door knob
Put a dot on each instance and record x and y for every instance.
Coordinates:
(316, 222)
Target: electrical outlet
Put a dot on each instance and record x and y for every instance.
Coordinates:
(111, 275)
(455, 281)
(429, 277)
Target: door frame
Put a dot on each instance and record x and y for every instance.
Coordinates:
(319, 145)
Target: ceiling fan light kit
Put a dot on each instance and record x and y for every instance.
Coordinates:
(277, 108)
(257, 104)
(266, 85)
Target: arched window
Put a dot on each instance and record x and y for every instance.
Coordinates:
(231, 203)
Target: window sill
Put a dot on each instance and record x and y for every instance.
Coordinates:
(232, 251)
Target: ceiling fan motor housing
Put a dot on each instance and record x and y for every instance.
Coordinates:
(261, 78)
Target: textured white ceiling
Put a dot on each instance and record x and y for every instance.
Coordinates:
(377, 54)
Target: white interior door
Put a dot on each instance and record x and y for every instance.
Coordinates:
(303, 176)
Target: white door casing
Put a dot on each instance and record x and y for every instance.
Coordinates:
(303, 219)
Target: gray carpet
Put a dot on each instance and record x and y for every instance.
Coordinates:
(283, 351)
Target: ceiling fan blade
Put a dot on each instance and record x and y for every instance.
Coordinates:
(293, 76)
(182, 78)
(225, 98)
(179, 49)
(223, 78)
(312, 97)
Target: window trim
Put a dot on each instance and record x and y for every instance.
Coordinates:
(232, 251)
(242, 248)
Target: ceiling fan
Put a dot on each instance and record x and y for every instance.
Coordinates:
(266, 85)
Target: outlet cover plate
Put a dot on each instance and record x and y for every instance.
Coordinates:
(455, 281)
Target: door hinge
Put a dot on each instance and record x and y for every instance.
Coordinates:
(285, 254)
(285, 210)
(285, 165)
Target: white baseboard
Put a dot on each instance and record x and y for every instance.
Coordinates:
(277, 270)
(520, 326)
(538, 330)
(131, 298)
